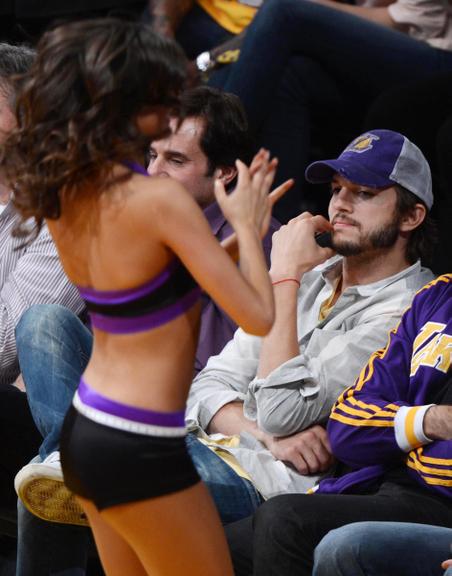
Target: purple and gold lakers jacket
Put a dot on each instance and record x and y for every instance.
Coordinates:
(376, 425)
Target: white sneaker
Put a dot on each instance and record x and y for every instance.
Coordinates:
(41, 488)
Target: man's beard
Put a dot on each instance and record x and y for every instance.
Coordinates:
(383, 237)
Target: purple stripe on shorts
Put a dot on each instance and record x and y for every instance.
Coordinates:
(90, 397)
(127, 325)
(123, 296)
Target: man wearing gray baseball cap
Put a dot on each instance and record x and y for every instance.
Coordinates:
(334, 307)
(379, 159)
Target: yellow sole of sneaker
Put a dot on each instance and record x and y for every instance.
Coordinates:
(50, 500)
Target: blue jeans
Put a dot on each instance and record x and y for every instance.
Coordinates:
(304, 64)
(234, 497)
(54, 349)
(383, 549)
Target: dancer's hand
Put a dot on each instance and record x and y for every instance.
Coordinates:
(250, 203)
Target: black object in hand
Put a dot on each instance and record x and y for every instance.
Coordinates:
(323, 239)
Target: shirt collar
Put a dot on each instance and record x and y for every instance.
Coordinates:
(332, 268)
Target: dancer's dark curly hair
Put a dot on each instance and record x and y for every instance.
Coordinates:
(77, 107)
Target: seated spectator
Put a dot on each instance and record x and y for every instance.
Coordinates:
(391, 432)
(320, 63)
(383, 549)
(206, 138)
(29, 274)
(277, 392)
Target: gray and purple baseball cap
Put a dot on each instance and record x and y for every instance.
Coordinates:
(379, 159)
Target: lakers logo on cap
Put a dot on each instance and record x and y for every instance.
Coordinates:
(362, 143)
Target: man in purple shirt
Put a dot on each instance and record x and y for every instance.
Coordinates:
(208, 135)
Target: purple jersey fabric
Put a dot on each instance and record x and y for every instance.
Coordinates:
(217, 328)
(413, 370)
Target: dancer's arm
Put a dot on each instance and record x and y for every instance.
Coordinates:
(245, 295)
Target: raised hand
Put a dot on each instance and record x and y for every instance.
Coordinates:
(250, 203)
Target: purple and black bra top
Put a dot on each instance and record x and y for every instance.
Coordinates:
(158, 301)
(168, 295)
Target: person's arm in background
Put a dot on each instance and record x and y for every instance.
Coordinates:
(429, 19)
(37, 278)
(166, 15)
(375, 13)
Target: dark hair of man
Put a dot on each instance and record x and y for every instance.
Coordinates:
(14, 62)
(226, 134)
(77, 109)
(422, 239)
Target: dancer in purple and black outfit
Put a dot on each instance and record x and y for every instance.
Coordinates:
(98, 93)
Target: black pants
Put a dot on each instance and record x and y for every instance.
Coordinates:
(280, 538)
(20, 440)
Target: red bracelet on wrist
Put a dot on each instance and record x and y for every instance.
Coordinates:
(286, 280)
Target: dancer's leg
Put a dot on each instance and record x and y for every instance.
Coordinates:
(117, 556)
(178, 533)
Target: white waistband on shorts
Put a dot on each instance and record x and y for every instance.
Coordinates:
(124, 424)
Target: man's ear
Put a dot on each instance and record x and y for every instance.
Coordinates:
(413, 218)
(226, 174)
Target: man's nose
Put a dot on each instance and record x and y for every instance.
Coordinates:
(156, 167)
(343, 199)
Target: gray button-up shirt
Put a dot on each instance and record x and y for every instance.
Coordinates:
(301, 392)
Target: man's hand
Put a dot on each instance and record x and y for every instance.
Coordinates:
(438, 423)
(446, 564)
(294, 249)
(309, 452)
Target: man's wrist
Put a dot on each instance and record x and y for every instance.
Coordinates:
(278, 275)
(438, 422)
(433, 422)
(262, 436)
(289, 281)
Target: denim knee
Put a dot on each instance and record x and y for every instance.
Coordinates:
(335, 549)
(41, 318)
